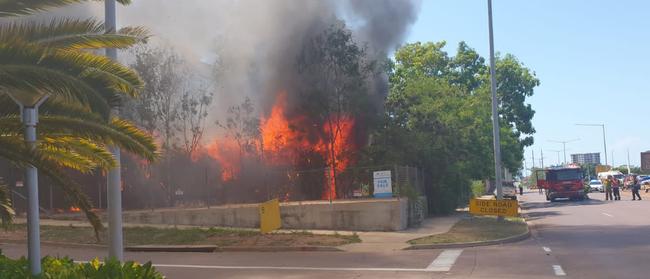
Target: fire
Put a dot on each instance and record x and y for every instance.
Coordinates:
(340, 129)
(74, 209)
(227, 152)
(283, 140)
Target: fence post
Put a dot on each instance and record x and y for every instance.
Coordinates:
(397, 181)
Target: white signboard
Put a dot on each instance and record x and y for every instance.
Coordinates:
(382, 184)
(19, 183)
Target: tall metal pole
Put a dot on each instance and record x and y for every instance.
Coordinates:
(495, 112)
(30, 118)
(605, 144)
(114, 177)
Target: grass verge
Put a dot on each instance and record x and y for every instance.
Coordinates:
(193, 236)
(475, 229)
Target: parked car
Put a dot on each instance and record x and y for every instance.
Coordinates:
(596, 185)
(509, 190)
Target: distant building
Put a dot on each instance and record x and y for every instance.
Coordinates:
(586, 158)
(645, 161)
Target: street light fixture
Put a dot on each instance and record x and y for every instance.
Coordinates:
(28, 104)
(564, 142)
(604, 138)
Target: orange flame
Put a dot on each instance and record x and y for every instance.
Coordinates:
(226, 152)
(74, 209)
(282, 144)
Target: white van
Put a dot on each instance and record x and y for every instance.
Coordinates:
(616, 174)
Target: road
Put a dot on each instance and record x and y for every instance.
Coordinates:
(589, 239)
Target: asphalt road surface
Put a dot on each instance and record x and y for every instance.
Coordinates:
(588, 239)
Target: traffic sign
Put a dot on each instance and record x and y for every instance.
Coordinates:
(270, 216)
(494, 207)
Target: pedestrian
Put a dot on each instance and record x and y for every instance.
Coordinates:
(521, 189)
(608, 188)
(616, 188)
(635, 188)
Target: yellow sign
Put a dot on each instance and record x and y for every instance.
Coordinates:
(270, 216)
(494, 207)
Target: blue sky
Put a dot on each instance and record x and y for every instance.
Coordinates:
(592, 58)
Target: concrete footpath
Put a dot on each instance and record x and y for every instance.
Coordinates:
(391, 241)
(370, 241)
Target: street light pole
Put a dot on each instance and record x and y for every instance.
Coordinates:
(29, 115)
(604, 137)
(114, 177)
(495, 112)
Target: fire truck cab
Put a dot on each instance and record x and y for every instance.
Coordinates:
(562, 182)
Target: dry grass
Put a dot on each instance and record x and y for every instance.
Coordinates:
(194, 236)
(477, 229)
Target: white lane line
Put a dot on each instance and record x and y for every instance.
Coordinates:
(445, 260)
(546, 249)
(558, 270)
(297, 268)
(608, 215)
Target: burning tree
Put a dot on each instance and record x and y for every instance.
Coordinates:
(335, 71)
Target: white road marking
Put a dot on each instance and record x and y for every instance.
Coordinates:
(297, 268)
(445, 260)
(558, 270)
(546, 249)
(608, 215)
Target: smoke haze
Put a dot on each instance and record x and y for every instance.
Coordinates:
(254, 43)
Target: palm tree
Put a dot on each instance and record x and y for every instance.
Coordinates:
(75, 127)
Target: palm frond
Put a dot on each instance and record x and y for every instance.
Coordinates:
(22, 156)
(71, 33)
(27, 83)
(7, 212)
(75, 153)
(26, 7)
(119, 132)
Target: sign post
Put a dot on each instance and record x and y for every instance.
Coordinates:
(508, 208)
(382, 184)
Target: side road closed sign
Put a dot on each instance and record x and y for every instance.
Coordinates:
(494, 207)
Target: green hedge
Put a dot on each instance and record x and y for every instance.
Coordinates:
(66, 268)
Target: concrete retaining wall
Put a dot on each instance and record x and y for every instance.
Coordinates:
(354, 215)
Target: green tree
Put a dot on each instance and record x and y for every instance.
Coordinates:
(438, 117)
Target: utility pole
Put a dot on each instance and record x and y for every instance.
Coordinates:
(542, 157)
(495, 112)
(533, 152)
(114, 177)
(564, 142)
(628, 162)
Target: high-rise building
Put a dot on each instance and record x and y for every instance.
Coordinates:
(586, 158)
(645, 161)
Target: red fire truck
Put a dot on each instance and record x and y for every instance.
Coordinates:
(562, 182)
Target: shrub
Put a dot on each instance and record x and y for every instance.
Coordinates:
(66, 268)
